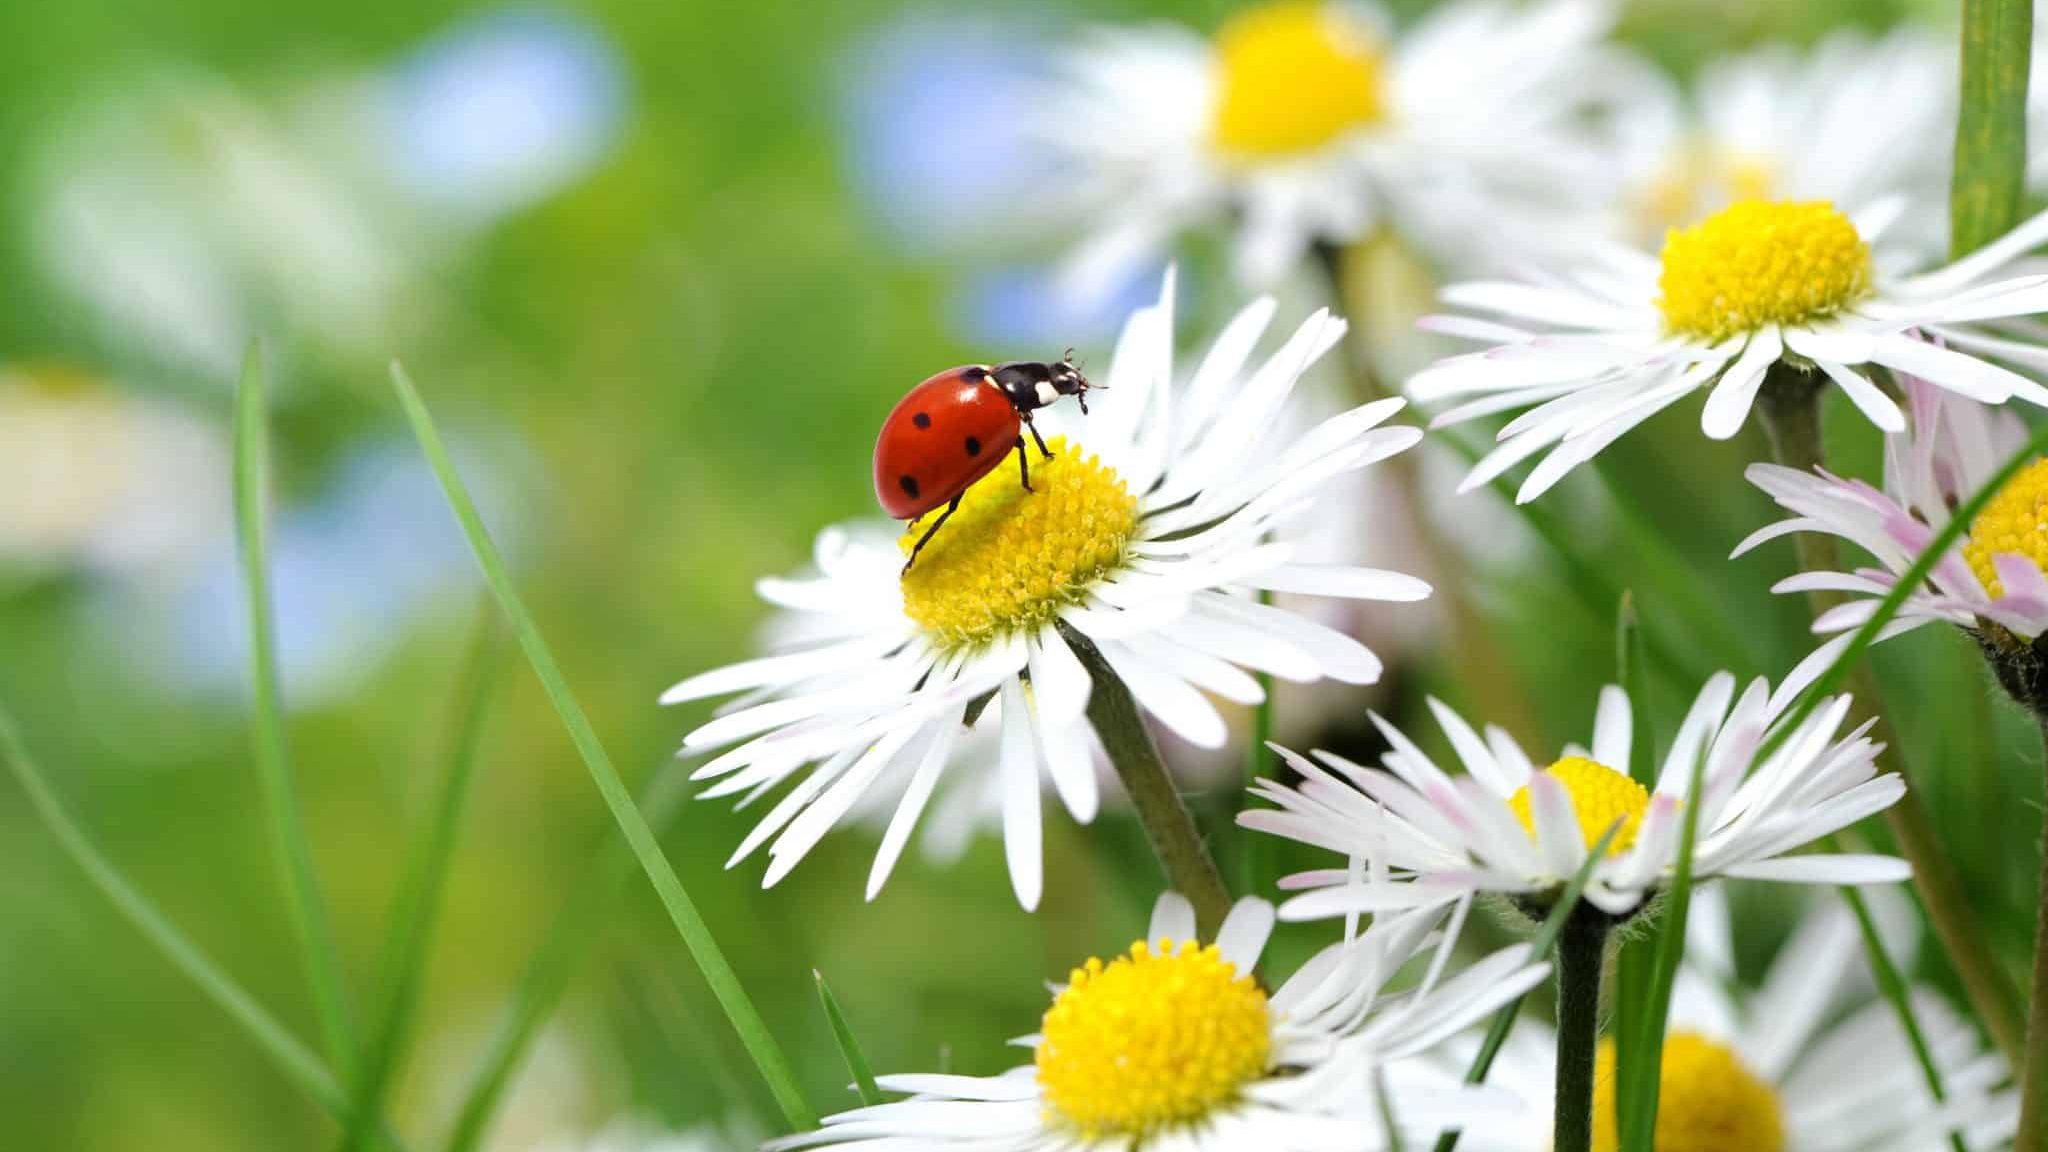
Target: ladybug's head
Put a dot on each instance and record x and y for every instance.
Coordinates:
(1068, 381)
(1031, 384)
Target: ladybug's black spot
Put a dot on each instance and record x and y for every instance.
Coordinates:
(973, 446)
(922, 419)
(974, 374)
(908, 483)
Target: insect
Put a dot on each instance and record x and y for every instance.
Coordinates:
(956, 427)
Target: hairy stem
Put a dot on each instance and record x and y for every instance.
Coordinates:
(2033, 1134)
(1790, 405)
(1168, 824)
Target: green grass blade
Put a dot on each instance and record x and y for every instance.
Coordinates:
(1635, 959)
(419, 893)
(1383, 1102)
(1539, 945)
(689, 923)
(842, 1034)
(1830, 680)
(1892, 984)
(1989, 190)
(1640, 1132)
(296, 1062)
(295, 858)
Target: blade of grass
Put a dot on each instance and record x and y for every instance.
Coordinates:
(414, 913)
(1539, 945)
(1989, 189)
(576, 928)
(849, 1048)
(1635, 960)
(273, 766)
(1641, 1131)
(1893, 985)
(689, 923)
(1390, 1126)
(296, 1062)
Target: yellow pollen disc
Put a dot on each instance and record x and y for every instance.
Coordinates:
(1600, 796)
(1009, 559)
(1291, 77)
(1760, 262)
(1707, 1101)
(1152, 1039)
(2016, 520)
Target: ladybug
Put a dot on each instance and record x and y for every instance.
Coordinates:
(954, 428)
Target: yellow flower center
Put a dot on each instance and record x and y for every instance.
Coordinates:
(1600, 796)
(2016, 520)
(1707, 1101)
(1008, 560)
(1293, 76)
(1760, 262)
(1152, 1039)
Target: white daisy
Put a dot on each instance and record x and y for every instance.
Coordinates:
(1176, 1046)
(1851, 120)
(1145, 536)
(1777, 1067)
(1990, 583)
(1308, 122)
(1626, 336)
(1507, 827)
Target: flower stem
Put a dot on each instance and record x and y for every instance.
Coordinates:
(1790, 406)
(1168, 824)
(1581, 958)
(1989, 190)
(2033, 1133)
(1486, 669)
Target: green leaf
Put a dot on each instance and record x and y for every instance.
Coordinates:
(1893, 985)
(1539, 945)
(1641, 1129)
(419, 893)
(288, 833)
(294, 1060)
(849, 1048)
(1989, 190)
(1635, 959)
(682, 911)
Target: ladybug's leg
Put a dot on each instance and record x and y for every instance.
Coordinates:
(1024, 465)
(929, 533)
(1028, 423)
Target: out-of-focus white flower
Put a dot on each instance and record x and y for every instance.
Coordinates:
(498, 112)
(1306, 122)
(1175, 1046)
(1508, 827)
(1992, 578)
(1146, 535)
(1770, 1068)
(1850, 121)
(95, 478)
(1625, 335)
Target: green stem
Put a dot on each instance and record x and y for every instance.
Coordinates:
(689, 923)
(2033, 1133)
(419, 895)
(1581, 958)
(1892, 984)
(1989, 189)
(273, 767)
(1168, 824)
(1790, 406)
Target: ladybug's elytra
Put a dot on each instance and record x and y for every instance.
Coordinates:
(954, 428)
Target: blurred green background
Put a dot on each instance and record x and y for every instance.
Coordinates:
(662, 331)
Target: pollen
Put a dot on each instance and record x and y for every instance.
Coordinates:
(1707, 1101)
(1600, 796)
(2016, 521)
(1160, 1037)
(1293, 76)
(1008, 560)
(1759, 262)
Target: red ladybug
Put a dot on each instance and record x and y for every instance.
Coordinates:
(954, 428)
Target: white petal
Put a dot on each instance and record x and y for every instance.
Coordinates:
(1729, 403)
(1023, 845)
(1173, 918)
(1245, 932)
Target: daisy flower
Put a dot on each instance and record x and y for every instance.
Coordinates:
(1758, 284)
(1990, 583)
(1176, 1045)
(1805, 1061)
(1508, 827)
(1306, 122)
(1145, 538)
(1852, 120)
